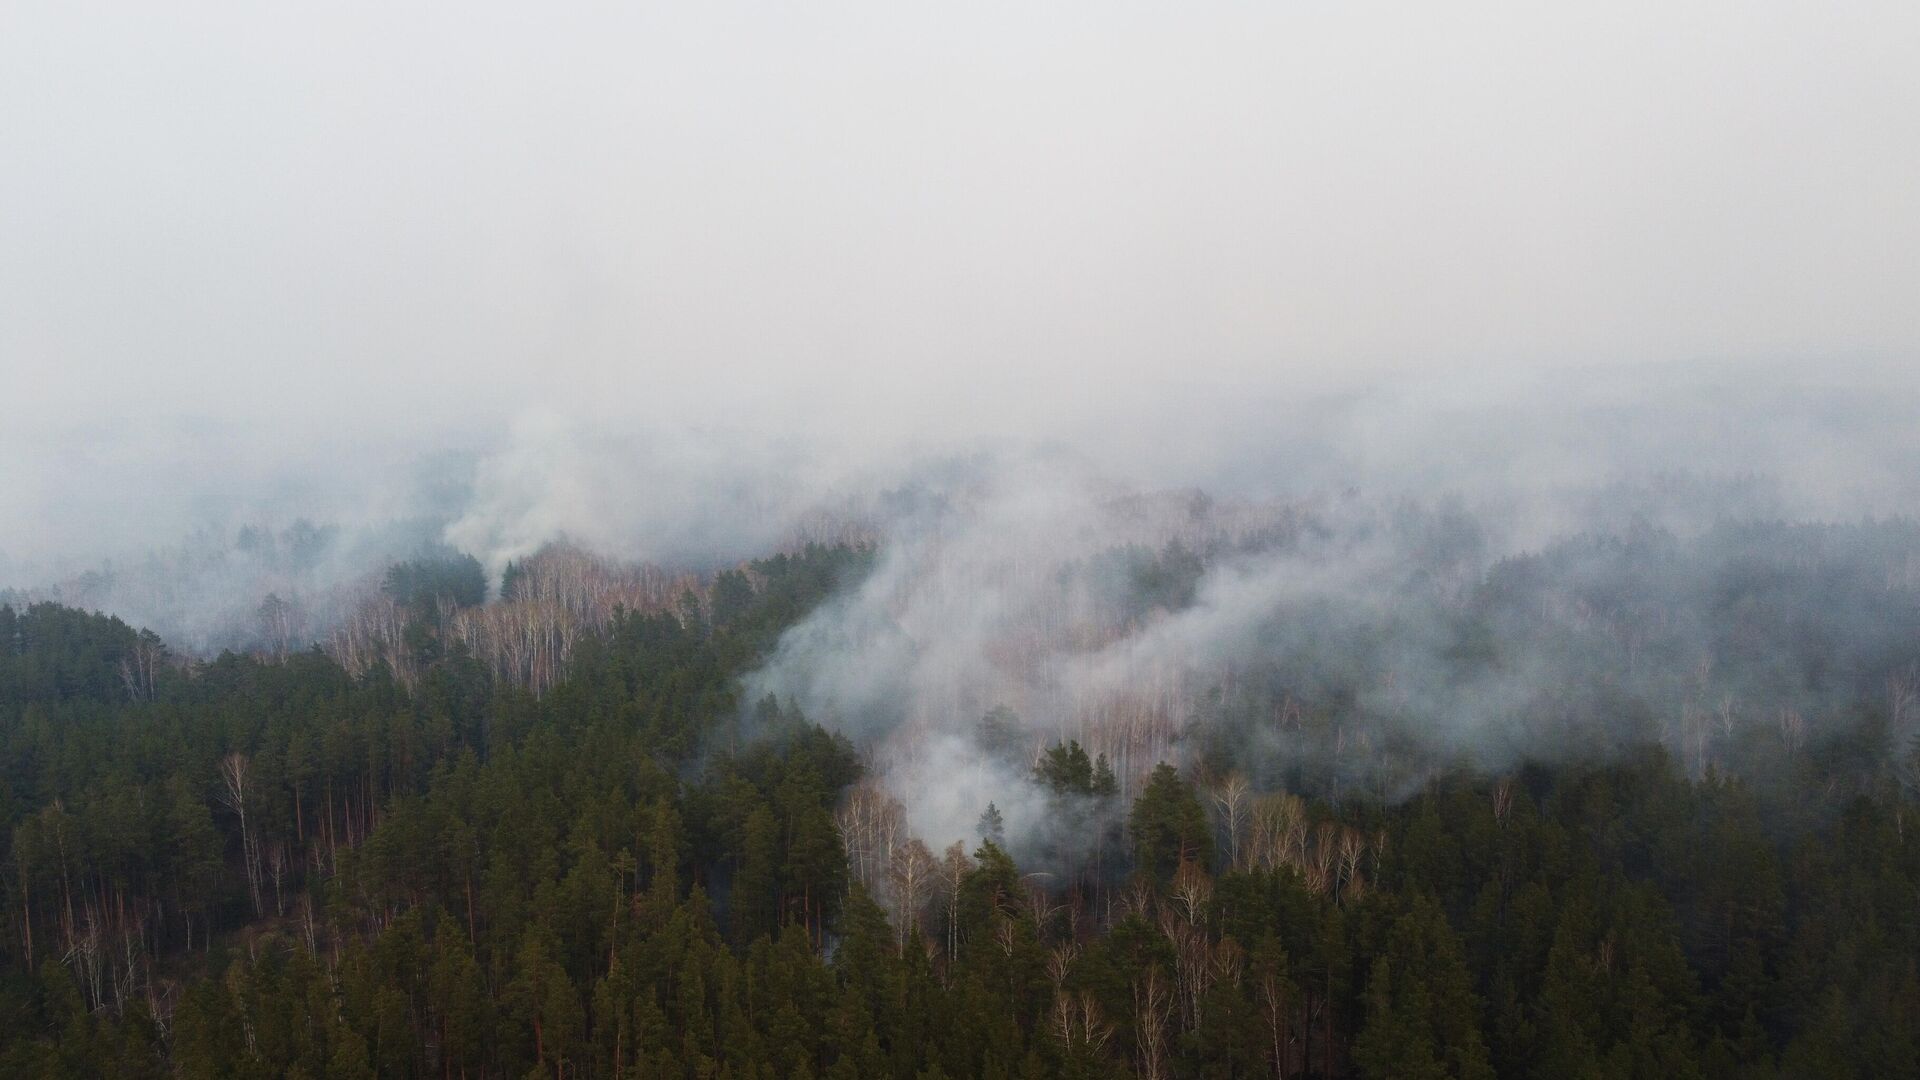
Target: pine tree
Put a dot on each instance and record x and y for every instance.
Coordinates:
(1169, 826)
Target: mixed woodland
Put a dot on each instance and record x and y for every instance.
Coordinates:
(534, 827)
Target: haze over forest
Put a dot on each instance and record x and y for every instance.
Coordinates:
(946, 478)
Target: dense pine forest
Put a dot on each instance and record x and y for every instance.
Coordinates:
(422, 853)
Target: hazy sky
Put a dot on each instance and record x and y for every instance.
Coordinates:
(304, 228)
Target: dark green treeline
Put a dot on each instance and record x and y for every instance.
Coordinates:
(270, 869)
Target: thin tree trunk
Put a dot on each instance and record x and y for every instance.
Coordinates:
(26, 914)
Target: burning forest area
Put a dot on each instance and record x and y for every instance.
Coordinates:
(860, 541)
(1179, 765)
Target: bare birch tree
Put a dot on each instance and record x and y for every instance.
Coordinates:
(236, 791)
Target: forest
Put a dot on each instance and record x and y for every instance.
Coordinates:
(559, 833)
(886, 541)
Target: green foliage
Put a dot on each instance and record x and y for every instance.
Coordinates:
(424, 583)
(1168, 826)
(1423, 1019)
(632, 875)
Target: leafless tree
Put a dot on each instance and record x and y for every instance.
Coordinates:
(1229, 962)
(236, 791)
(1322, 871)
(1728, 716)
(1191, 890)
(1006, 934)
(911, 876)
(871, 822)
(1192, 963)
(1278, 823)
(140, 668)
(84, 955)
(954, 867)
(277, 869)
(1276, 1009)
(1136, 901)
(1041, 904)
(1077, 1018)
(1353, 848)
(1793, 730)
(1231, 802)
(1152, 1009)
(1903, 690)
(132, 962)
(560, 594)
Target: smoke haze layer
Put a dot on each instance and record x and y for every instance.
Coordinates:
(252, 252)
(604, 272)
(151, 521)
(1240, 384)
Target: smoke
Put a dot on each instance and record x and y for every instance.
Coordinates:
(1328, 593)
(1502, 574)
(670, 495)
(1202, 372)
(146, 520)
(188, 525)
(189, 528)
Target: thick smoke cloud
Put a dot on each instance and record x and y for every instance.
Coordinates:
(210, 525)
(667, 494)
(150, 519)
(1501, 575)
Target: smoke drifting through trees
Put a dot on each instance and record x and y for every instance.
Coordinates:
(1364, 588)
(626, 508)
(214, 526)
(1025, 645)
(1333, 644)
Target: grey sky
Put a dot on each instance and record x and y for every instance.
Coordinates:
(304, 228)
